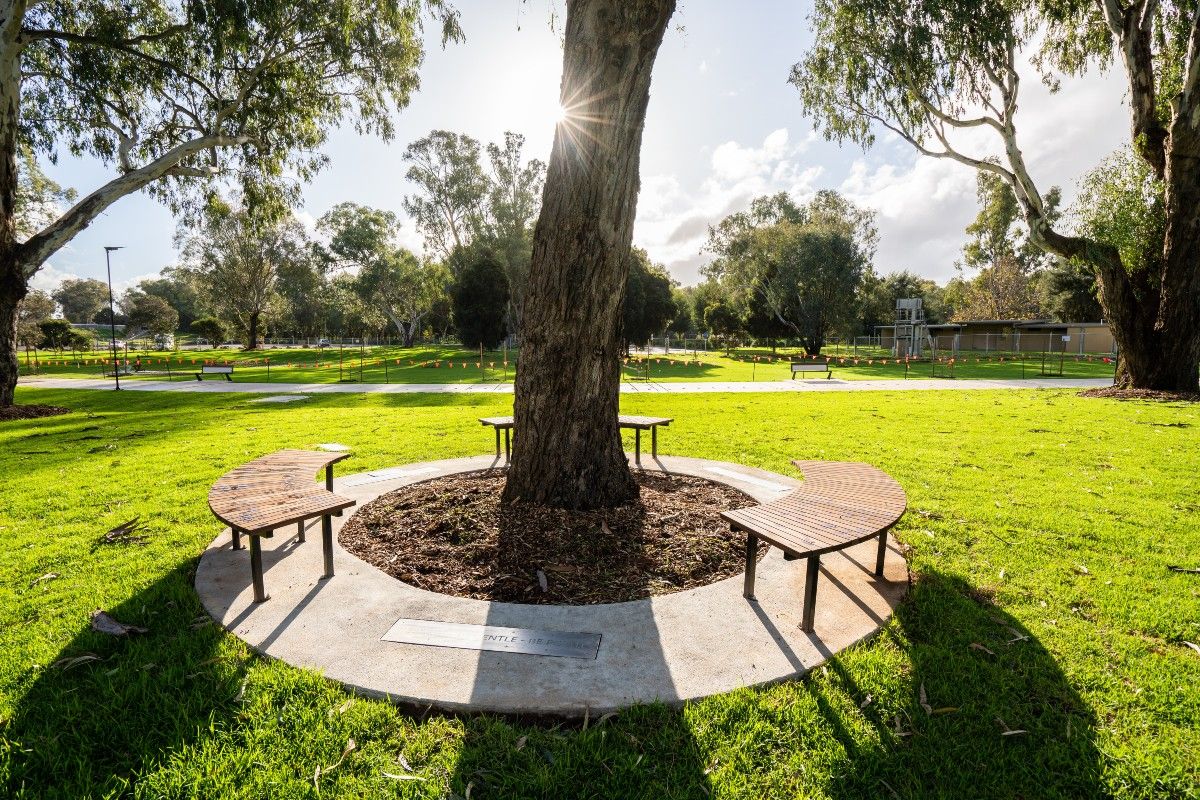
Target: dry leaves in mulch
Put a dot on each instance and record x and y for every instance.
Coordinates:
(30, 411)
(452, 535)
(1119, 393)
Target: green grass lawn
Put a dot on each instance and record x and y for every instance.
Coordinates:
(433, 364)
(1039, 529)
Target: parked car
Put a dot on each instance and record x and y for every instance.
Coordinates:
(324, 343)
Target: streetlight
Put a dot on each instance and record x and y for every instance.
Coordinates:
(112, 316)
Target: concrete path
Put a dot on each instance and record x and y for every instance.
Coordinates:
(672, 648)
(646, 387)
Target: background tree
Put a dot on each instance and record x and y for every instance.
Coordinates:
(479, 296)
(682, 320)
(179, 293)
(926, 70)
(151, 314)
(448, 208)
(567, 451)
(235, 257)
(178, 95)
(387, 276)
(35, 308)
(56, 333)
(514, 200)
(649, 304)
(1067, 291)
(81, 299)
(795, 269)
(210, 328)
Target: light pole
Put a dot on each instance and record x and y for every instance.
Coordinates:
(112, 316)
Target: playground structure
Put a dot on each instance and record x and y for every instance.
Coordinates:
(911, 330)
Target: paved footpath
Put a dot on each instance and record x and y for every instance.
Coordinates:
(812, 385)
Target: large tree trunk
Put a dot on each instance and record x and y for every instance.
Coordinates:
(13, 285)
(567, 450)
(252, 332)
(12, 290)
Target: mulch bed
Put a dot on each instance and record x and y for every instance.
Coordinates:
(31, 411)
(1118, 393)
(452, 535)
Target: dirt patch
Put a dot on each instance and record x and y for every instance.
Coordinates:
(1118, 393)
(452, 535)
(31, 411)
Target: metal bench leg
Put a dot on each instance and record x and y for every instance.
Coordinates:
(810, 593)
(300, 531)
(507, 445)
(329, 483)
(637, 446)
(237, 538)
(882, 553)
(497, 444)
(256, 573)
(654, 441)
(751, 564)
(327, 544)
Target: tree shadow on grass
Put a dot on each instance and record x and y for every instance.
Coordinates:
(107, 709)
(988, 712)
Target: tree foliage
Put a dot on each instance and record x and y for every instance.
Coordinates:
(795, 269)
(81, 299)
(649, 304)
(479, 296)
(150, 313)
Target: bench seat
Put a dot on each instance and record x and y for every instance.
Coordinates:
(273, 491)
(839, 505)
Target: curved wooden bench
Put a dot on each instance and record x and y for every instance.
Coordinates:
(276, 490)
(840, 504)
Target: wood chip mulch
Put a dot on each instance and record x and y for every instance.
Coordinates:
(30, 411)
(452, 535)
(1119, 393)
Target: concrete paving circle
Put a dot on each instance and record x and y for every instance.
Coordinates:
(671, 648)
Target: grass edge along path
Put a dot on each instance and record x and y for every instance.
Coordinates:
(1041, 652)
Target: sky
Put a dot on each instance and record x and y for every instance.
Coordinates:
(723, 127)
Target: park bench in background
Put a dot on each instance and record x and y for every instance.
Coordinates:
(637, 424)
(209, 369)
(273, 491)
(839, 504)
(807, 368)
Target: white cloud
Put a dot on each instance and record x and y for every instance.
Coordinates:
(703, 67)
(673, 221)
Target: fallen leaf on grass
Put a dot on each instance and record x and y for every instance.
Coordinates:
(347, 750)
(944, 710)
(866, 702)
(605, 529)
(899, 731)
(125, 533)
(1193, 570)
(925, 701)
(67, 663)
(402, 761)
(103, 622)
(1083, 570)
(1009, 731)
(605, 718)
(1192, 645)
(342, 709)
(403, 777)
(521, 743)
(49, 576)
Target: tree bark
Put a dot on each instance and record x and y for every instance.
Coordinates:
(13, 284)
(567, 449)
(252, 332)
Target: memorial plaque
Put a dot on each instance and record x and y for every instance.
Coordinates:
(492, 637)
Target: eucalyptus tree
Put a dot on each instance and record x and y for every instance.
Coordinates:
(81, 299)
(795, 269)
(928, 71)
(386, 276)
(453, 188)
(175, 95)
(235, 258)
(567, 452)
(514, 200)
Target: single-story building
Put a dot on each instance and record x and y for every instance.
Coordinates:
(1014, 336)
